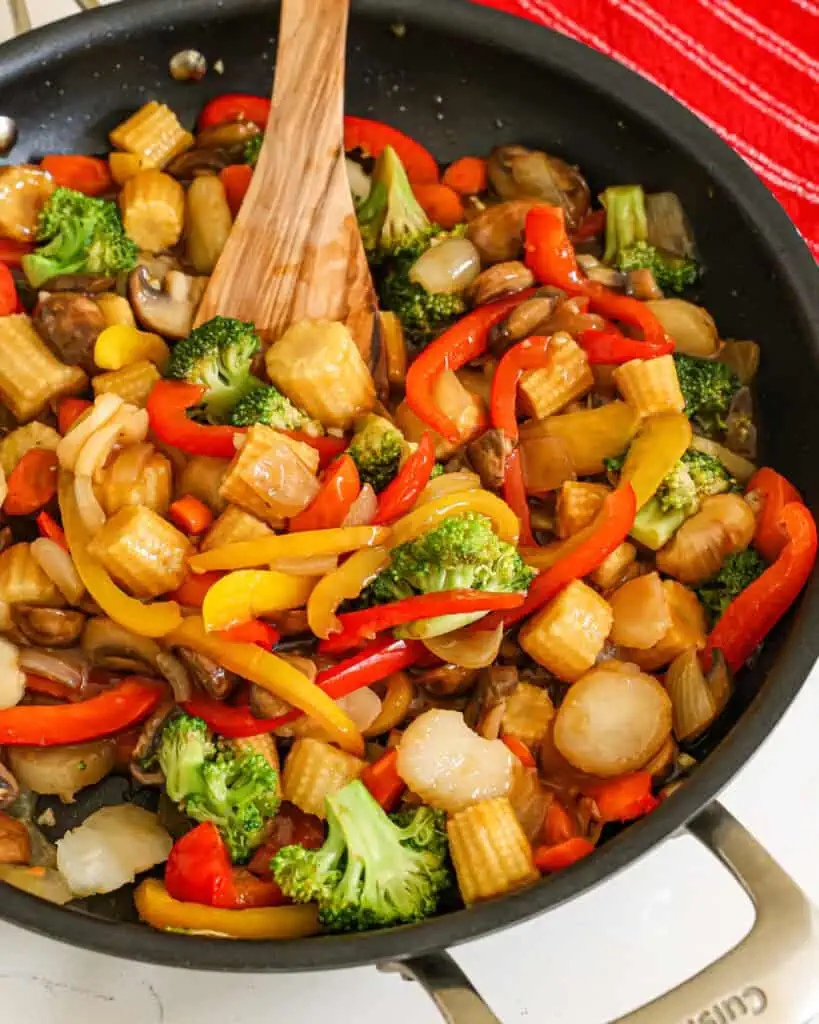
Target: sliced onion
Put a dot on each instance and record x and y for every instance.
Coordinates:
(742, 357)
(449, 267)
(694, 707)
(363, 706)
(529, 800)
(12, 679)
(363, 509)
(110, 848)
(68, 667)
(65, 770)
(467, 649)
(316, 565)
(448, 483)
(613, 720)
(104, 408)
(668, 226)
(90, 510)
(692, 327)
(721, 681)
(739, 467)
(135, 425)
(47, 883)
(56, 563)
(358, 180)
(740, 431)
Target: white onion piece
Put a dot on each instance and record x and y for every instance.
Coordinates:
(104, 408)
(358, 180)
(64, 770)
(135, 425)
(720, 681)
(694, 707)
(47, 883)
(613, 720)
(110, 848)
(90, 510)
(4, 487)
(449, 766)
(363, 706)
(529, 800)
(12, 680)
(62, 667)
(56, 563)
(317, 565)
(692, 327)
(737, 465)
(451, 266)
(363, 509)
(467, 649)
(448, 483)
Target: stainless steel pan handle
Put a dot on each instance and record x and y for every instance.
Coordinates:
(772, 975)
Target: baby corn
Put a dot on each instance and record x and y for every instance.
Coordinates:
(313, 771)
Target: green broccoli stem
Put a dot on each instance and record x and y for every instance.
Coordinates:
(437, 626)
(626, 220)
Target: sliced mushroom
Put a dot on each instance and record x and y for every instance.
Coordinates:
(70, 324)
(447, 680)
(264, 704)
(15, 844)
(9, 787)
(499, 280)
(516, 172)
(93, 283)
(212, 678)
(524, 320)
(177, 675)
(496, 684)
(641, 284)
(198, 161)
(48, 627)
(110, 646)
(497, 232)
(229, 135)
(144, 767)
(167, 305)
(488, 454)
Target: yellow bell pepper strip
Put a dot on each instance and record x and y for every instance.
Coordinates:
(251, 553)
(251, 593)
(274, 674)
(120, 345)
(427, 517)
(152, 620)
(343, 584)
(159, 909)
(395, 705)
(654, 452)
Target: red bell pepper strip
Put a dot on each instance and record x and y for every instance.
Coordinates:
(235, 106)
(774, 493)
(550, 257)
(32, 483)
(377, 661)
(400, 495)
(367, 622)
(756, 610)
(612, 347)
(328, 447)
(199, 870)
(50, 688)
(623, 799)
(608, 530)
(339, 489)
(8, 292)
(87, 174)
(118, 708)
(555, 858)
(235, 180)
(558, 825)
(12, 253)
(69, 411)
(52, 530)
(370, 137)
(383, 781)
(191, 591)
(531, 354)
(593, 224)
(521, 751)
(460, 344)
(290, 827)
(167, 405)
(253, 632)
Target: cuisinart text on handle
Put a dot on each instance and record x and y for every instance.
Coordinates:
(750, 1002)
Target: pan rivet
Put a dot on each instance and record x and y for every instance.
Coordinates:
(8, 133)
(188, 66)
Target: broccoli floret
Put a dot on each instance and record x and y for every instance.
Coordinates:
(614, 463)
(252, 148)
(373, 871)
(184, 748)
(736, 573)
(376, 448)
(236, 792)
(82, 235)
(627, 245)
(218, 355)
(437, 470)
(268, 405)
(708, 473)
(423, 315)
(708, 388)
(463, 553)
(390, 219)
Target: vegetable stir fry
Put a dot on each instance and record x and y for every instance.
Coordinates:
(370, 640)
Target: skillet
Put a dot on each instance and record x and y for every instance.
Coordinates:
(461, 79)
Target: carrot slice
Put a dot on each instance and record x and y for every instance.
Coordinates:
(33, 482)
(86, 174)
(441, 204)
(467, 176)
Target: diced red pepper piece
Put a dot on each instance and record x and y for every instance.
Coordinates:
(8, 292)
(521, 751)
(383, 781)
(339, 489)
(774, 492)
(253, 632)
(555, 858)
(87, 174)
(52, 530)
(625, 798)
(199, 869)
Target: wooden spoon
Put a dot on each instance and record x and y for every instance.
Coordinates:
(295, 251)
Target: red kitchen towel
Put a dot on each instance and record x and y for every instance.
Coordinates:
(748, 68)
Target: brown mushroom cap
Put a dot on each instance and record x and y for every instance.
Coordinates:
(48, 627)
(166, 305)
(9, 787)
(516, 172)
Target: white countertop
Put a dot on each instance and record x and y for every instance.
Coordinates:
(585, 963)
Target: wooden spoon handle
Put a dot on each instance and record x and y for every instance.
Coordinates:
(295, 250)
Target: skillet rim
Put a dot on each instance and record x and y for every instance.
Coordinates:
(798, 272)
